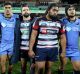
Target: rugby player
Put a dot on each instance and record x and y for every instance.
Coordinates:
(72, 26)
(47, 29)
(7, 27)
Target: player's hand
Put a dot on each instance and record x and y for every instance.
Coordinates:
(31, 54)
(63, 54)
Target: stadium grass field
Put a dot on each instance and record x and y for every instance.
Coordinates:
(68, 67)
(68, 70)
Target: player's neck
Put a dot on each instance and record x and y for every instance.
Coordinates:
(72, 18)
(26, 18)
(7, 16)
(47, 16)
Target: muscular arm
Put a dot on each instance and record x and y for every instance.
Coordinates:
(63, 42)
(33, 39)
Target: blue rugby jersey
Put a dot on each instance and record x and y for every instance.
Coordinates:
(72, 35)
(7, 28)
(48, 32)
(72, 32)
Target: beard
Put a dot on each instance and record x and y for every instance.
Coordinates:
(53, 17)
(26, 15)
(71, 16)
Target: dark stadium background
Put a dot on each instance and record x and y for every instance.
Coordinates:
(38, 8)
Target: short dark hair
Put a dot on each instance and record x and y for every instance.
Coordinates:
(7, 3)
(69, 6)
(50, 6)
(24, 5)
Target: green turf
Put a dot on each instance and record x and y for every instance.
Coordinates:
(68, 70)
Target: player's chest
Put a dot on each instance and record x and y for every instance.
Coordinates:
(8, 23)
(24, 27)
(72, 27)
(49, 27)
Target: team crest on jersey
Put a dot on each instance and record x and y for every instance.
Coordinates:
(68, 29)
(72, 28)
(3, 24)
(11, 24)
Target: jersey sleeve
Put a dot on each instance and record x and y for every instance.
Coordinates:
(36, 25)
(0, 32)
(62, 29)
(79, 25)
(1, 16)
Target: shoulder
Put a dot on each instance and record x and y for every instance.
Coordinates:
(15, 15)
(64, 20)
(40, 19)
(78, 20)
(1, 16)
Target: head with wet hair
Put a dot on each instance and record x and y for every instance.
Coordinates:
(70, 11)
(8, 9)
(52, 11)
(25, 10)
(7, 3)
(51, 6)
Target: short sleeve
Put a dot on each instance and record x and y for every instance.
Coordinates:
(62, 29)
(36, 25)
(1, 16)
(0, 32)
(79, 25)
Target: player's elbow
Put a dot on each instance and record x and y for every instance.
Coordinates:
(63, 39)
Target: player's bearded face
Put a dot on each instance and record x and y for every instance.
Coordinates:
(26, 15)
(52, 16)
(8, 11)
(53, 13)
(71, 12)
(25, 12)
